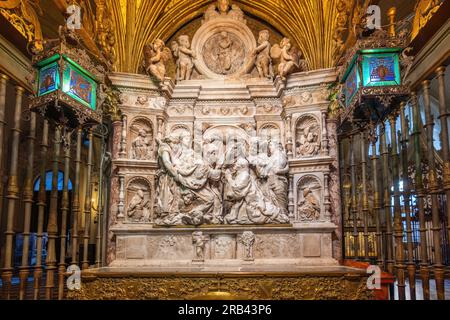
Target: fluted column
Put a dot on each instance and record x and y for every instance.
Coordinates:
(326, 196)
(41, 204)
(420, 195)
(324, 144)
(64, 213)
(443, 114)
(52, 225)
(12, 194)
(289, 143)
(433, 190)
(76, 199)
(387, 200)
(28, 202)
(87, 204)
(411, 266)
(123, 138)
(121, 204)
(291, 197)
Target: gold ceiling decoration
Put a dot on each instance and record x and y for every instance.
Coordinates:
(311, 24)
(22, 15)
(425, 9)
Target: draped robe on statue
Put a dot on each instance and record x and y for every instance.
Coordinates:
(250, 206)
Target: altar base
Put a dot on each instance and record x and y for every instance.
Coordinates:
(243, 283)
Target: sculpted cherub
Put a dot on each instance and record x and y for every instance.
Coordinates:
(289, 58)
(156, 55)
(263, 61)
(181, 50)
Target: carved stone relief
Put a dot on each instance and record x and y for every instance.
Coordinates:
(307, 136)
(250, 180)
(199, 244)
(269, 132)
(224, 247)
(247, 239)
(224, 43)
(141, 139)
(309, 195)
(138, 201)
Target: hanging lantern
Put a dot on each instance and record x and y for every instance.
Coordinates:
(371, 78)
(68, 82)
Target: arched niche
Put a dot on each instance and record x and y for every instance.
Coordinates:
(138, 200)
(307, 136)
(141, 139)
(309, 198)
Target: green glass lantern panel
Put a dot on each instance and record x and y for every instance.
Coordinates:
(381, 69)
(351, 84)
(78, 84)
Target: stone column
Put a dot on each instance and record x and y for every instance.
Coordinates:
(123, 138)
(121, 205)
(12, 194)
(326, 196)
(291, 197)
(324, 148)
(289, 143)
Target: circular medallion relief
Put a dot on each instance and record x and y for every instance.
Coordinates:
(223, 48)
(224, 53)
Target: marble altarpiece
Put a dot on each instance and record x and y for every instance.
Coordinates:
(232, 161)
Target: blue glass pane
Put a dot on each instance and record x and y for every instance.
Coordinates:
(48, 181)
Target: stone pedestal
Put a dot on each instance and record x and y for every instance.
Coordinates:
(285, 246)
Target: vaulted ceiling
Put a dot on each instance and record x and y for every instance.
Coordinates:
(321, 29)
(309, 23)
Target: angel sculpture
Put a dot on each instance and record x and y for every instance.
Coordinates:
(262, 53)
(156, 55)
(289, 58)
(181, 50)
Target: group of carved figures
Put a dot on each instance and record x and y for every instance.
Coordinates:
(157, 55)
(231, 187)
(199, 240)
